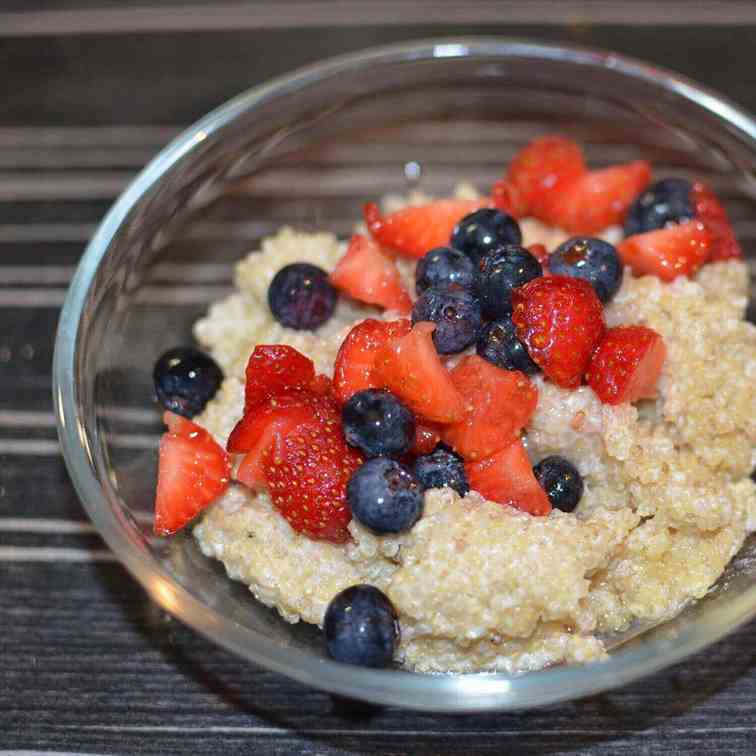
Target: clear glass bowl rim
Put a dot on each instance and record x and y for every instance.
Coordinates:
(440, 693)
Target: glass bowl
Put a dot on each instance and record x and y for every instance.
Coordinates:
(307, 149)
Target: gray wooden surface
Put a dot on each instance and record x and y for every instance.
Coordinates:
(89, 90)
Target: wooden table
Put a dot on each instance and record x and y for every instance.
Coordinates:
(90, 90)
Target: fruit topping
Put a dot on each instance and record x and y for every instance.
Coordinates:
(708, 209)
(498, 343)
(193, 471)
(427, 436)
(456, 313)
(627, 364)
(502, 270)
(385, 496)
(378, 424)
(367, 274)
(593, 260)
(507, 478)
(416, 229)
(186, 380)
(662, 203)
(560, 320)
(498, 404)
(273, 369)
(445, 267)
(442, 468)
(561, 481)
(361, 627)
(300, 296)
(484, 230)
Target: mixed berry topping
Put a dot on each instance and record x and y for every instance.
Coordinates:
(186, 380)
(593, 260)
(484, 230)
(301, 297)
(561, 481)
(378, 424)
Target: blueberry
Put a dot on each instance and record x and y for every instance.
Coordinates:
(186, 380)
(665, 201)
(480, 232)
(456, 313)
(498, 343)
(378, 423)
(593, 260)
(361, 627)
(443, 267)
(300, 296)
(442, 468)
(561, 481)
(385, 496)
(501, 270)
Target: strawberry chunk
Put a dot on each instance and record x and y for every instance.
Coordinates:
(709, 210)
(368, 275)
(507, 478)
(597, 199)
(627, 364)
(355, 361)
(193, 471)
(274, 368)
(540, 253)
(668, 252)
(499, 403)
(415, 230)
(560, 320)
(508, 198)
(411, 368)
(427, 436)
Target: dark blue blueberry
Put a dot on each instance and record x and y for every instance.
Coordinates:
(502, 270)
(561, 481)
(498, 343)
(186, 380)
(442, 468)
(378, 423)
(361, 627)
(593, 260)
(385, 496)
(665, 201)
(443, 267)
(480, 232)
(300, 296)
(456, 313)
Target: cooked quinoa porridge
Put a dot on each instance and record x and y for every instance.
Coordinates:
(477, 585)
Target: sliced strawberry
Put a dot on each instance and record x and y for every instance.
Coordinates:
(668, 252)
(366, 274)
(627, 364)
(507, 478)
(274, 368)
(560, 320)
(597, 199)
(427, 436)
(499, 403)
(353, 370)
(411, 368)
(709, 210)
(507, 197)
(539, 172)
(540, 253)
(193, 471)
(417, 229)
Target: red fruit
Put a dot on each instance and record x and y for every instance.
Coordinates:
(668, 252)
(417, 229)
(597, 199)
(411, 368)
(627, 364)
(724, 245)
(507, 478)
(499, 403)
(540, 253)
(427, 436)
(353, 370)
(193, 471)
(560, 320)
(274, 368)
(507, 197)
(368, 275)
(539, 172)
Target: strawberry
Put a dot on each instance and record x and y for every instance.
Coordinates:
(708, 209)
(274, 368)
(353, 370)
(507, 478)
(411, 368)
(560, 320)
(627, 364)
(415, 230)
(668, 252)
(538, 173)
(368, 275)
(540, 253)
(596, 199)
(193, 471)
(499, 404)
(427, 436)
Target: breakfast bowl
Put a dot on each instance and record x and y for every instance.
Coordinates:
(306, 150)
